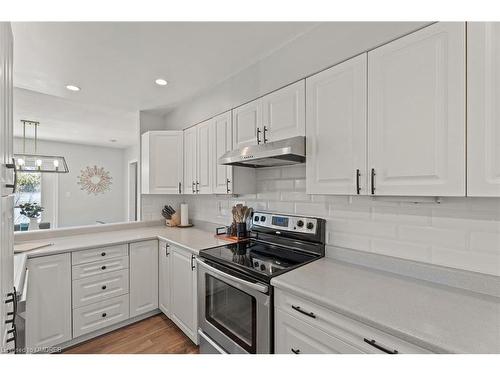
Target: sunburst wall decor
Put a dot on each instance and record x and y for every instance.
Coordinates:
(94, 180)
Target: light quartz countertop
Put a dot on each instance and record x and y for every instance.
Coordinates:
(192, 239)
(433, 316)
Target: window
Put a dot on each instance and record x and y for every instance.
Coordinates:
(29, 190)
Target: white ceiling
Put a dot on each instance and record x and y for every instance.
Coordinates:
(70, 121)
(116, 63)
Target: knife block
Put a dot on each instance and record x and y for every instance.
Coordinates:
(174, 221)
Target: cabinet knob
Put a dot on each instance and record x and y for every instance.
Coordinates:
(103, 267)
(103, 254)
(103, 287)
(104, 315)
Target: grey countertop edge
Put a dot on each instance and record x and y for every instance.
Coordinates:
(324, 302)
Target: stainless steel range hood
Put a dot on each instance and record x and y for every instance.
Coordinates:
(285, 152)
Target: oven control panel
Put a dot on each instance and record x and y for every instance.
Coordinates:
(288, 223)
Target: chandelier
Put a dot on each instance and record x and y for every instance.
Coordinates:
(34, 162)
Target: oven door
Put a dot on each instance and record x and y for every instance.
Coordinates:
(233, 310)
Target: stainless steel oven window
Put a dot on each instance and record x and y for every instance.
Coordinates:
(232, 311)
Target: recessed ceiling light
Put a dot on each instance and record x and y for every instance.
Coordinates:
(161, 82)
(72, 88)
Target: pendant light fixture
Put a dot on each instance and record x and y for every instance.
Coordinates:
(35, 162)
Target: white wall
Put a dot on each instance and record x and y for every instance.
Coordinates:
(323, 46)
(76, 207)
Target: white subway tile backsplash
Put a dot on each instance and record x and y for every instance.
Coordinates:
(467, 260)
(433, 236)
(488, 242)
(461, 233)
(401, 249)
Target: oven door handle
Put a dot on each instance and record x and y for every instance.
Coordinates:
(255, 286)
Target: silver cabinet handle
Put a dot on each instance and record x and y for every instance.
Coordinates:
(309, 314)
(180, 190)
(166, 249)
(192, 187)
(227, 185)
(373, 181)
(256, 286)
(265, 130)
(380, 347)
(258, 137)
(197, 187)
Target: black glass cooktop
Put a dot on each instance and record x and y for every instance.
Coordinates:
(261, 260)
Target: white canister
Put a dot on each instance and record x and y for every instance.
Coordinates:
(184, 214)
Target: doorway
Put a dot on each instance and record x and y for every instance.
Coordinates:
(132, 191)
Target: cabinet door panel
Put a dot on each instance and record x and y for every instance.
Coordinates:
(483, 101)
(246, 120)
(184, 306)
(296, 337)
(204, 163)
(48, 301)
(284, 113)
(162, 162)
(143, 277)
(190, 152)
(222, 130)
(416, 113)
(336, 129)
(164, 278)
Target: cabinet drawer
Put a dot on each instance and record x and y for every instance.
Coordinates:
(98, 268)
(294, 336)
(100, 287)
(346, 329)
(99, 253)
(99, 315)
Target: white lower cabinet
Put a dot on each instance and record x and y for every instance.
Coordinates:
(164, 277)
(48, 303)
(306, 327)
(100, 315)
(143, 277)
(294, 336)
(184, 291)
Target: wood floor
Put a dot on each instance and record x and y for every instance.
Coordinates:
(155, 335)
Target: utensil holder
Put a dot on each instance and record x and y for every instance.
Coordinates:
(241, 230)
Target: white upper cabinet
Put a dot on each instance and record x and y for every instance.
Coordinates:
(247, 124)
(162, 162)
(48, 301)
(336, 129)
(205, 155)
(284, 113)
(190, 159)
(278, 115)
(143, 277)
(416, 113)
(483, 101)
(222, 141)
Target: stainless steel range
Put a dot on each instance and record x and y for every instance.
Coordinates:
(235, 296)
